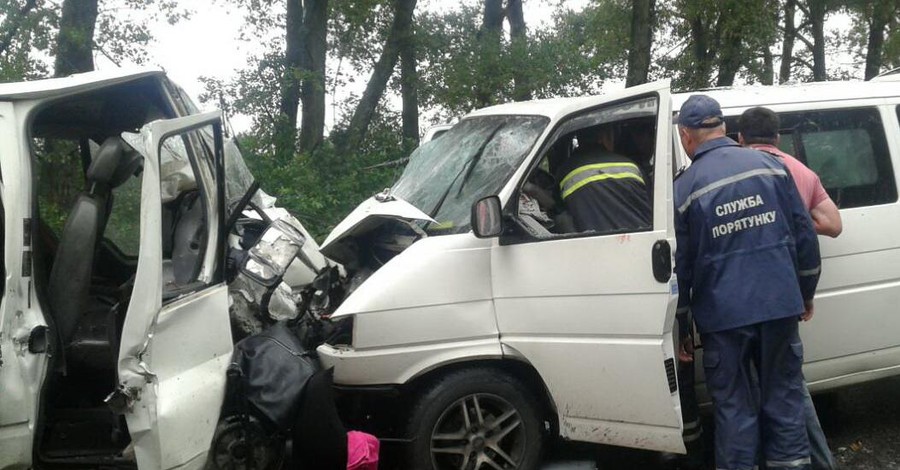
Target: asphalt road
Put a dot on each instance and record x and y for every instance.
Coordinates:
(862, 424)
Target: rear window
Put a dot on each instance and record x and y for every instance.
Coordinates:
(847, 148)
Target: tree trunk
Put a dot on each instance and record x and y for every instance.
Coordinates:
(817, 12)
(787, 45)
(730, 52)
(409, 87)
(768, 70)
(75, 40)
(365, 110)
(519, 42)
(489, 40)
(698, 75)
(642, 25)
(286, 126)
(881, 16)
(312, 65)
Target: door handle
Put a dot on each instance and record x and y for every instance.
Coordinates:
(661, 257)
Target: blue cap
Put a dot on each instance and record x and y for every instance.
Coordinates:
(700, 108)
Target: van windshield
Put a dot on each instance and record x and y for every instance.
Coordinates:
(472, 160)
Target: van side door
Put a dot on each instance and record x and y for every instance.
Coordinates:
(176, 341)
(593, 312)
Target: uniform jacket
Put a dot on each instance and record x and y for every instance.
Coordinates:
(605, 192)
(747, 251)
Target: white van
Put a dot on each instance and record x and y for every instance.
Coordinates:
(482, 324)
(120, 202)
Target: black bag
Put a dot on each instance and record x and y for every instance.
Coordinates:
(274, 371)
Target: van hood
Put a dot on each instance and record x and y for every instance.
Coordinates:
(368, 216)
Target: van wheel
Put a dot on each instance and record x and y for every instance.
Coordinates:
(476, 419)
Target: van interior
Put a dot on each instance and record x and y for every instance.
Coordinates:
(86, 222)
(633, 138)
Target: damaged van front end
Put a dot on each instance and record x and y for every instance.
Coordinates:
(138, 250)
(419, 293)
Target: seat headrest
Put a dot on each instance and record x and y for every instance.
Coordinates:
(114, 163)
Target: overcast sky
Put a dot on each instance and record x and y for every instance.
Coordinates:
(207, 44)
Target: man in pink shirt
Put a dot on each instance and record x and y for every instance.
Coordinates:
(759, 130)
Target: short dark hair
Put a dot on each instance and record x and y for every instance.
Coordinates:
(759, 126)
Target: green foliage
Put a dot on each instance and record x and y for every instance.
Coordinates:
(321, 188)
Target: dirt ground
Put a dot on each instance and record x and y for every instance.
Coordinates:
(862, 424)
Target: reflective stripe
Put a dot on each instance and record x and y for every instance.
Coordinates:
(788, 463)
(810, 272)
(726, 181)
(596, 166)
(692, 425)
(680, 310)
(597, 172)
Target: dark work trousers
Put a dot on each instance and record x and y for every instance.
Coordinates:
(690, 414)
(818, 446)
(732, 359)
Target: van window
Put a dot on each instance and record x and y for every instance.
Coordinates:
(847, 148)
(595, 177)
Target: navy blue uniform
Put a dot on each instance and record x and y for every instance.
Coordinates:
(605, 192)
(746, 260)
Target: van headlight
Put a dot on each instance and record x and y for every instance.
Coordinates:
(341, 333)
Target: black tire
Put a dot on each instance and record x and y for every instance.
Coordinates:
(510, 420)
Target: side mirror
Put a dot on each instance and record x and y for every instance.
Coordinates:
(487, 219)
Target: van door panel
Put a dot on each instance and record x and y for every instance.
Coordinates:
(588, 314)
(173, 359)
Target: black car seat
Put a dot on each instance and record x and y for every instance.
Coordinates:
(70, 277)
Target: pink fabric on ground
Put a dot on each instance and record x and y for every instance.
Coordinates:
(362, 451)
(807, 181)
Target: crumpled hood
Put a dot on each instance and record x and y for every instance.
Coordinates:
(368, 216)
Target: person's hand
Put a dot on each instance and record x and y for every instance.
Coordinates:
(809, 310)
(686, 349)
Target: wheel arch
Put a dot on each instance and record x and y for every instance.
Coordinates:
(514, 366)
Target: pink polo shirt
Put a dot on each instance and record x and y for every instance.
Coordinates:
(807, 181)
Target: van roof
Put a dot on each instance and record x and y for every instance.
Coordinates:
(78, 82)
(731, 97)
(762, 95)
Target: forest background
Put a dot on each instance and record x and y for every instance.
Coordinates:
(384, 70)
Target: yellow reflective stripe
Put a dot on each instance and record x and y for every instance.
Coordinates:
(596, 166)
(585, 181)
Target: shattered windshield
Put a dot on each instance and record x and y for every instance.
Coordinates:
(472, 160)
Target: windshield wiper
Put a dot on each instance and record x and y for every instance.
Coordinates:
(440, 202)
(470, 165)
(477, 156)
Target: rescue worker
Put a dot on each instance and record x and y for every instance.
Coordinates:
(747, 263)
(604, 192)
(759, 130)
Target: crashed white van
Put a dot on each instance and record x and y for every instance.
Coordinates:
(482, 323)
(121, 207)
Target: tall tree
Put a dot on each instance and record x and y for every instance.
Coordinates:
(409, 85)
(286, 123)
(643, 20)
(312, 66)
(489, 40)
(518, 33)
(816, 11)
(882, 12)
(381, 73)
(704, 28)
(75, 38)
(787, 43)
